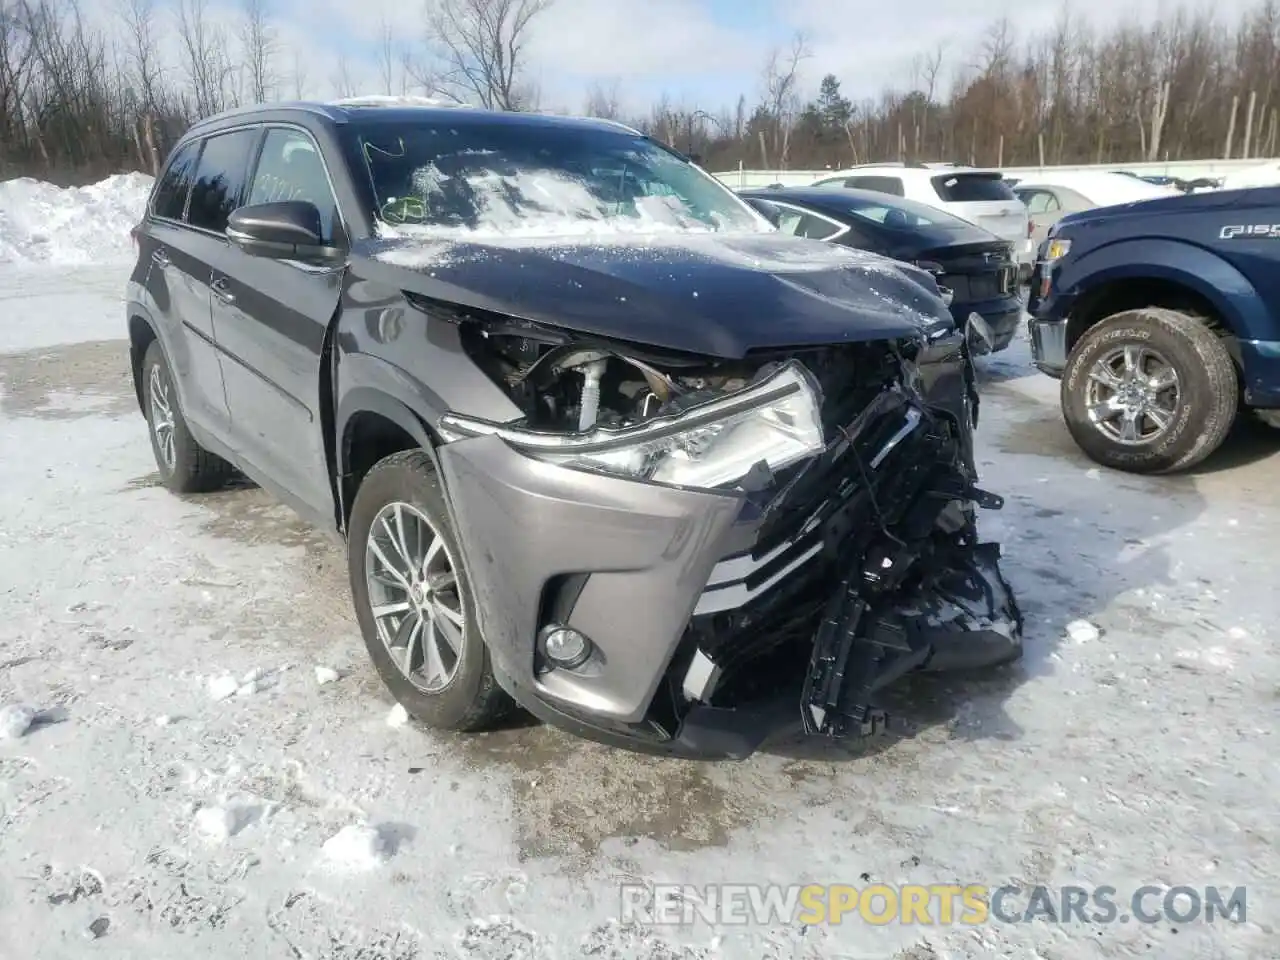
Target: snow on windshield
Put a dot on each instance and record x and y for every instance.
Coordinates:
(541, 204)
(500, 182)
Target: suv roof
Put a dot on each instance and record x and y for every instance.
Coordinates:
(916, 170)
(406, 108)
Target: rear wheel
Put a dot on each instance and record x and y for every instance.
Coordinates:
(184, 465)
(1149, 391)
(413, 598)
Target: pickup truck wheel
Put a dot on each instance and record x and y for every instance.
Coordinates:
(184, 465)
(413, 598)
(1149, 391)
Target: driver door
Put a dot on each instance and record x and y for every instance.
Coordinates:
(273, 317)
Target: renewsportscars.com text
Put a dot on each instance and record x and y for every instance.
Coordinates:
(927, 904)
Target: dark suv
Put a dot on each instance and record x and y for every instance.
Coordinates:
(600, 441)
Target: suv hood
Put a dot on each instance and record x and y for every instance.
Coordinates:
(718, 295)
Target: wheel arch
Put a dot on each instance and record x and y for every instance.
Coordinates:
(1163, 273)
(142, 333)
(372, 424)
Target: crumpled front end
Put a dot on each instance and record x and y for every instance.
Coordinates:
(734, 551)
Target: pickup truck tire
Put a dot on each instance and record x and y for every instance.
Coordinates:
(1141, 351)
(403, 558)
(184, 465)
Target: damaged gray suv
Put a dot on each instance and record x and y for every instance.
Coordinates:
(600, 441)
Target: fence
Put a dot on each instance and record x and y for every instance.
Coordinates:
(1186, 169)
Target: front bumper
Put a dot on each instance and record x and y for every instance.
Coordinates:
(1048, 345)
(674, 586)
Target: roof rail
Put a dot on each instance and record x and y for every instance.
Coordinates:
(393, 100)
(256, 108)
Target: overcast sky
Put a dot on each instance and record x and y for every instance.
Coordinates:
(699, 52)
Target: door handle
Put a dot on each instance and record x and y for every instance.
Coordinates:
(221, 292)
(160, 258)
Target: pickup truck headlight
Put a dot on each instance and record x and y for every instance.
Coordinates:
(714, 444)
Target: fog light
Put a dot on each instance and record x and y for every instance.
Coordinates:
(565, 647)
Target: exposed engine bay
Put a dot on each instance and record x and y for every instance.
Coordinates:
(569, 386)
(864, 561)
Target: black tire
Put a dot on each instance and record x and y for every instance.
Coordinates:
(1207, 400)
(193, 469)
(472, 699)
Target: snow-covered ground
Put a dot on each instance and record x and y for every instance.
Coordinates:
(188, 783)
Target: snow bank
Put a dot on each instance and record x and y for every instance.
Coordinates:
(41, 223)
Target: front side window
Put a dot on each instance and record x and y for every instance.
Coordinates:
(171, 192)
(290, 168)
(515, 178)
(219, 182)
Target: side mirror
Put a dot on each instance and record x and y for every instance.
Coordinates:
(284, 230)
(978, 335)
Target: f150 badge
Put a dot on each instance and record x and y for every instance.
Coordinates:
(1269, 231)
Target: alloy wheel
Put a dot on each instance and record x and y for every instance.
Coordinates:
(1132, 395)
(415, 597)
(162, 417)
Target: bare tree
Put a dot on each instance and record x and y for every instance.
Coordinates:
(258, 48)
(481, 45)
(386, 55)
(144, 76)
(602, 101)
(142, 40)
(299, 76)
(342, 82)
(781, 84)
(205, 59)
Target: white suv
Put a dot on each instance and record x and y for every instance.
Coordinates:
(983, 197)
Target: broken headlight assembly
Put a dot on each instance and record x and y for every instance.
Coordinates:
(704, 444)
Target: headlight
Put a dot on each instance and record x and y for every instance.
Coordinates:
(1055, 249)
(713, 444)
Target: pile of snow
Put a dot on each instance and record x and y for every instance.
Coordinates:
(357, 847)
(15, 720)
(41, 223)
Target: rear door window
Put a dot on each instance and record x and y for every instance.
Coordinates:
(170, 199)
(972, 188)
(891, 185)
(802, 223)
(219, 185)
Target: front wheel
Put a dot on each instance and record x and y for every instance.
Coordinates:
(413, 598)
(1149, 391)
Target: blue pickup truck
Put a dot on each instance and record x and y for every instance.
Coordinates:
(1162, 321)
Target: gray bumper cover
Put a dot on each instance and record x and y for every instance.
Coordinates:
(649, 550)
